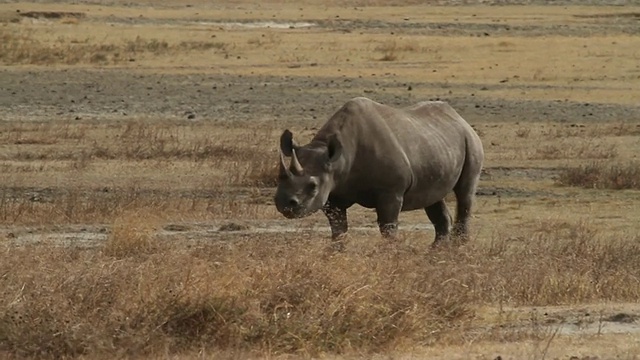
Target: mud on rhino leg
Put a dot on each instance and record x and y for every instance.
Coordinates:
(439, 215)
(338, 221)
(388, 209)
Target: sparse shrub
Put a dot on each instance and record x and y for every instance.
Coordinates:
(201, 45)
(390, 50)
(389, 56)
(603, 175)
(70, 20)
(267, 40)
(98, 58)
(569, 150)
(523, 132)
(563, 132)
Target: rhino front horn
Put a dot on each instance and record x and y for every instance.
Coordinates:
(284, 171)
(296, 168)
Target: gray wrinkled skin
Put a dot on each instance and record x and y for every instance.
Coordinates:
(384, 158)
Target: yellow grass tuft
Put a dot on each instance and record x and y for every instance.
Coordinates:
(70, 20)
(132, 234)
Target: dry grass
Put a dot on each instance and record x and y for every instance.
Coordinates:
(558, 145)
(572, 150)
(23, 47)
(285, 294)
(74, 157)
(603, 175)
(456, 60)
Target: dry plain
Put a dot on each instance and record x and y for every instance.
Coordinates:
(138, 145)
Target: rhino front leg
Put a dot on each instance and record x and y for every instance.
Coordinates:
(388, 209)
(338, 221)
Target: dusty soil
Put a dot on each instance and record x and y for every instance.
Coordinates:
(95, 95)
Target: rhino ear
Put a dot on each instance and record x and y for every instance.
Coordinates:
(334, 148)
(287, 145)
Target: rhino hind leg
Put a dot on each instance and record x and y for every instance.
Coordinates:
(465, 191)
(439, 215)
(460, 231)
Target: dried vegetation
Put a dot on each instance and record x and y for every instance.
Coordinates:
(73, 155)
(603, 175)
(20, 46)
(142, 296)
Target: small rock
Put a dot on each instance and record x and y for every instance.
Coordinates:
(176, 227)
(622, 318)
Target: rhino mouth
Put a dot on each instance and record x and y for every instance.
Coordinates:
(293, 213)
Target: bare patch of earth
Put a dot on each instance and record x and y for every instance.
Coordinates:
(170, 4)
(588, 319)
(94, 95)
(585, 26)
(89, 236)
(617, 24)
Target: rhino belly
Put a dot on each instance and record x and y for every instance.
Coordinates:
(421, 199)
(427, 191)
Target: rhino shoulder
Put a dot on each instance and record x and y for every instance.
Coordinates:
(433, 105)
(357, 105)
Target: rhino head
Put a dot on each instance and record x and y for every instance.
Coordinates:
(304, 186)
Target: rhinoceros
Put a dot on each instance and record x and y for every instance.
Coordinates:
(384, 158)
